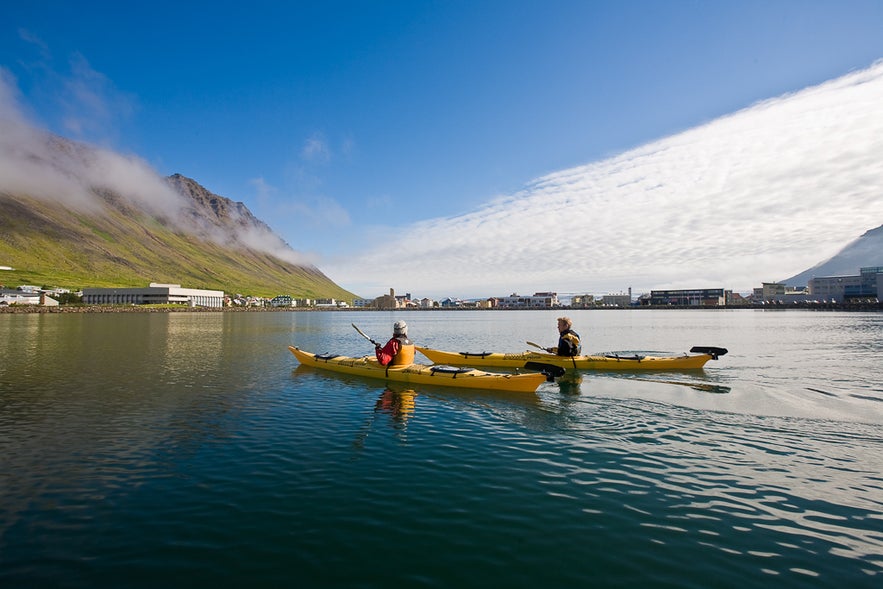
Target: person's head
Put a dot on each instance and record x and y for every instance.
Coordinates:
(564, 323)
(400, 328)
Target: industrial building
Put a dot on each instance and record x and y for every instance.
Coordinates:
(867, 285)
(697, 297)
(155, 294)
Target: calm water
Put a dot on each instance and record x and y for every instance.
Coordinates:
(189, 450)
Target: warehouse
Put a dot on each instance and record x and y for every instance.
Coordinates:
(155, 294)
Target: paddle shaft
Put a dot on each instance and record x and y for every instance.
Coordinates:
(362, 333)
(538, 346)
(549, 350)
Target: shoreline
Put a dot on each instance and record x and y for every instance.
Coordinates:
(38, 309)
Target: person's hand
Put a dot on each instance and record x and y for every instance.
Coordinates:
(376, 346)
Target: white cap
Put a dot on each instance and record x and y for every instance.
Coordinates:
(400, 328)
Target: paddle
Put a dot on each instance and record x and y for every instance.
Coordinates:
(362, 333)
(550, 371)
(539, 346)
(710, 350)
(549, 350)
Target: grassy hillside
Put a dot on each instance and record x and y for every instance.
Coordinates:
(47, 244)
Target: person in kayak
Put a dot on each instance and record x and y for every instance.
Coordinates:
(399, 350)
(568, 339)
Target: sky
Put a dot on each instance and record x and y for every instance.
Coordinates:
(485, 148)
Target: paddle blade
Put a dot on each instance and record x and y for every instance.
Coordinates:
(550, 370)
(710, 350)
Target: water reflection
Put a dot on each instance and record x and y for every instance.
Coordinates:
(702, 387)
(571, 383)
(696, 380)
(399, 405)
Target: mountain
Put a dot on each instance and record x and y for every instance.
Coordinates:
(864, 252)
(74, 216)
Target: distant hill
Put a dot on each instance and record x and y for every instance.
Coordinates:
(865, 251)
(74, 216)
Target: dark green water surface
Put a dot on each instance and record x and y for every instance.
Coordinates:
(189, 450)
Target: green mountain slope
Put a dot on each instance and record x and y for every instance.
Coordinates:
(119, 244)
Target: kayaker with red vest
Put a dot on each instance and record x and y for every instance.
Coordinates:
(568, 340)
(399, 350)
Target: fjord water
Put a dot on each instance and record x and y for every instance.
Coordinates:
(188, 449)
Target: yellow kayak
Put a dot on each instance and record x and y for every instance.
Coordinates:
(450, 376)
(609, 362)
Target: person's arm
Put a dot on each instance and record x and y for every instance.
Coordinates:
(387, 352)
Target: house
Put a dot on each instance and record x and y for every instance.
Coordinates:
(281, 301)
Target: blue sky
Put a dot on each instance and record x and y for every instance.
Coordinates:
(353, 128)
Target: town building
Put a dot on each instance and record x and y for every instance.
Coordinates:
(281, 301)
(779, 292)
(867, 285)
(26, 297)
(387, 302)
(155, 294)
(330, 304)
(539, 300)
(696, 297)
(617, 300)
(582, 301)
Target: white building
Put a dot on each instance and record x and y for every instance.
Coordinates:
(16, 297)
(616, 300)
(539, 300)
(282, 301)
(155, 294)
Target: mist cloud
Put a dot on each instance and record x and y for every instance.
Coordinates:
(40, 165)
(756, 196)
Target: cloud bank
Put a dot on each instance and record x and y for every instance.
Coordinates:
(44, 166)
(755, 196)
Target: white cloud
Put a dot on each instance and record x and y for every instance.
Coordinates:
(91, 103)
(35, 163)
(316, 149)
(756, 196)
(300, 213)
(264, 192)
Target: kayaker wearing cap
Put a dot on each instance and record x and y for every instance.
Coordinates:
(398, 351)
(568, 340)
